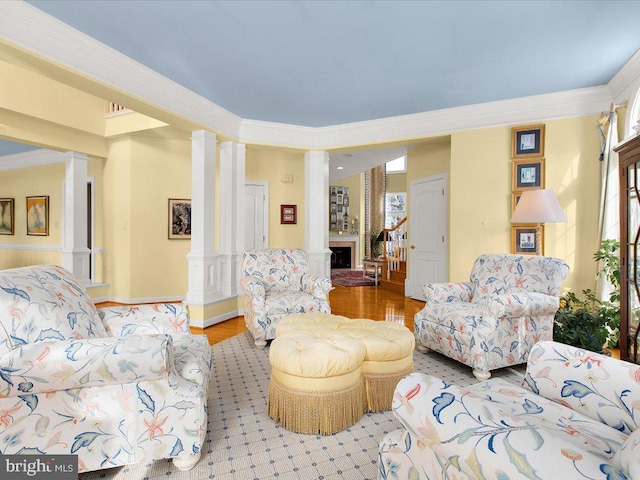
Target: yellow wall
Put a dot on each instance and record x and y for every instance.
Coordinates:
(396, 182)
(141, 174)
(270, 164)
(480, 188)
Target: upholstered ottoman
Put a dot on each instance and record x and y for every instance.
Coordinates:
(316, 384)
(389, 357)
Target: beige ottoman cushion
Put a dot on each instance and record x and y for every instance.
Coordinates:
(308, 322)
(316, 383)
(389, 357)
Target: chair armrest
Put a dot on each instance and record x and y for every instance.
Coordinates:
(603, 388)
(120, 321)
(63, 365)
(253, 287)
(448, 292)
(526, 304)
(317, 286)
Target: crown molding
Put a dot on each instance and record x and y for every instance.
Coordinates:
(625, 83)
(35, 31)
(30, 28)
(33, 158)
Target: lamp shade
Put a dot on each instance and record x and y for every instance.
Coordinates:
(538, 206)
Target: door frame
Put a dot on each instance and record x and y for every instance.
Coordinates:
(265, 187)
(413, 218)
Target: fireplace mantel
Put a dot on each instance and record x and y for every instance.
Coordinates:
(352, 241)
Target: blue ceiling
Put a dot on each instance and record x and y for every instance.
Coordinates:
(318, 63)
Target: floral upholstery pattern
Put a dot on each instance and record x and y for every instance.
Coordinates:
(494, 320)
(276, 284)
(547, 428)
(135, 390)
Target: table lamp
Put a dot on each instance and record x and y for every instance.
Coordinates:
(538, 206)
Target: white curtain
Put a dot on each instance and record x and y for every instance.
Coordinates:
(609, 219)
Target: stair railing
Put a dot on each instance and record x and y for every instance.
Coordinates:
(394, 251)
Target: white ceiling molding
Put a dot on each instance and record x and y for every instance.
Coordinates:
(30, 28)
(623, 81)
(33, 158)
(33, 30)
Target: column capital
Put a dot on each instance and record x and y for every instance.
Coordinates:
(203, 134)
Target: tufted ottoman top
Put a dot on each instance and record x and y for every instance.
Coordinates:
(308, 322)
(384, 341)
(324, 354)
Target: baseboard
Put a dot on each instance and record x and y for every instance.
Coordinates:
(207, 322)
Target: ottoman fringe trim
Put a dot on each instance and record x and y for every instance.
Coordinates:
(314, 413)
(380, 388)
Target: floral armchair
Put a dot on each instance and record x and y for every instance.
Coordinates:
(493, 320)
(575, 416)
(115, 386)
(276, 284)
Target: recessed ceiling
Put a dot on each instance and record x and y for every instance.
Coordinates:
(319, 63)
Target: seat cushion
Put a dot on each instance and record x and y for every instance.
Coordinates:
(44, 302)
(284, 303)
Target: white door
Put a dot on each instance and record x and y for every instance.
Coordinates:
(427, 234)
(256, 216)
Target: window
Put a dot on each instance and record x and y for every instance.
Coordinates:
(398, 165)
(633, 119)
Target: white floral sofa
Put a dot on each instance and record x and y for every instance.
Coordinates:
(115, 386)
(493, 320)
(574, 417)
(276, 283)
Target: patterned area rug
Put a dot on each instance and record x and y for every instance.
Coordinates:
(244, 443)
(351, 278)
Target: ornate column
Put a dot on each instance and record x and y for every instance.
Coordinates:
(204, 275)
(231, 220)
(75, 253)
(316, 212)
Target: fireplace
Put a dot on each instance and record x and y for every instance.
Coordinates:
(340, 257)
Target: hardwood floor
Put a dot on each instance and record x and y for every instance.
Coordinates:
(353, 302)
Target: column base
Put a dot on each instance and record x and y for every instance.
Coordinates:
(77, 262)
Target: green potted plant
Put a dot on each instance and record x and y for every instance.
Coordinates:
(591, 323)
(374, 243)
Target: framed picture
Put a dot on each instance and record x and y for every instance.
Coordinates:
(179, 218)
(288, 214)
(527, 141)
(7, 216)
(340, 198)
(515, 198)
(523, 239)
(38, 215)
(527, 174)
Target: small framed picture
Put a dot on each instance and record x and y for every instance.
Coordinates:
(179, 218)
(527, 174)
(38, 215)
(527, 141)
(523, 239)
(340, 198)
(7, 216)
(288, 214)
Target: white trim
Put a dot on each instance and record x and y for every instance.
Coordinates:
(30, 28)
(33, 158)
(92, 226)
(207, 322)
(35, 248)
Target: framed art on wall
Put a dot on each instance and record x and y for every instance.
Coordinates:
(179, 218)
(515, 198)
(7, 216)
(288, 214)
(38, 215)
(527, 174)
(527, 141)
(523, 239)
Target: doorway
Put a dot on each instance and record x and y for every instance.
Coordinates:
(427, 234)
(256, 215)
